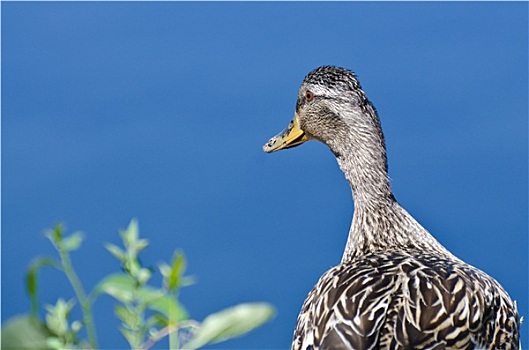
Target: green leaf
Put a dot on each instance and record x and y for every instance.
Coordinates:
(57, 316)
(141, 244)
(23, 332)
(143, 275)
(169, 307)
(165, 269)
(123, 288)
(31, 283)
(54, 343)
(131, 265)
(173, 279)
(133, 338)
(116, 251)
(230, 323)
(55, 235)
(31, 276)
(126, 316)
(187, 281)
(149, 295)
(31, 280)
(131, 234)
(117, 285)
(156, 320)
(72, 242)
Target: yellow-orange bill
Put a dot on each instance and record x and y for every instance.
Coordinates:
(292, 136)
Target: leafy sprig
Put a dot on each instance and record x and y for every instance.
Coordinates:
(146, 313)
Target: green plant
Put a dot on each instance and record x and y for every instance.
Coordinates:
(147, 313)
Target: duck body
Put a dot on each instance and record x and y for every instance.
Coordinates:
(396, 287)
(406, 301)
(412, 295)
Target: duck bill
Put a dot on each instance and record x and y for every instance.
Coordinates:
(292, 136)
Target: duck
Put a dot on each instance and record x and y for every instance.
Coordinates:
(396, 286)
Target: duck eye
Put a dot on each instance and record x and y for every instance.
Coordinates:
(309, 96)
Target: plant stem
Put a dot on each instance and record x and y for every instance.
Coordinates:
(173, 339)
(81, 296)
(169, 331)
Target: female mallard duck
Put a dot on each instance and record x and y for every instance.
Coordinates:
(396, 287)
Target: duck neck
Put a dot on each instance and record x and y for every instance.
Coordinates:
(362, 158)
(379, 223)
